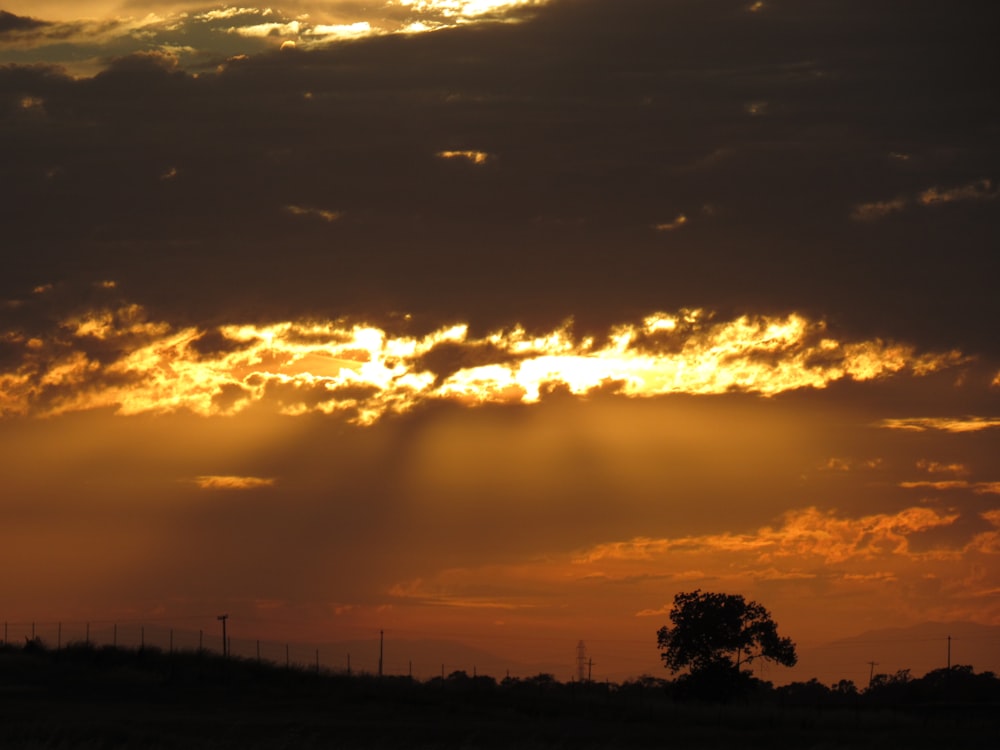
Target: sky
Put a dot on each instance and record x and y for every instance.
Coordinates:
(501, 323)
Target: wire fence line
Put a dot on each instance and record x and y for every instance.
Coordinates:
(134, 634)
(360, 657)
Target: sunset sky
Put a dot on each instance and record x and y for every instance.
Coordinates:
(503, 322)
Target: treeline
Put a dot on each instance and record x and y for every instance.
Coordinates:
(80, 665)
(82, 695)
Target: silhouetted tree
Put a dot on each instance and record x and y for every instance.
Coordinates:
(845, 688)
(713, 634)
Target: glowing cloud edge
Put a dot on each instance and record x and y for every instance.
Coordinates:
(363, 372)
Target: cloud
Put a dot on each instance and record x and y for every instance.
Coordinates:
(12, 23)
(222, 482)
(197, 33)
(116, 356)
(849, 464)
(593, 135)
(878, 209)
(945, 424)
(471, 156)
(809, 555)
(808, 536)
(320, 213)
(936, 467)
(981, 190)
(978, 191)
(980, 488)
(677, 223)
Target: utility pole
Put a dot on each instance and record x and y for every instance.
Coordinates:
(949, 653)
(225, 643)
(381, 637)
(871, 672)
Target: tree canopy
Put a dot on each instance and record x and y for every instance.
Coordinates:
(711, 631)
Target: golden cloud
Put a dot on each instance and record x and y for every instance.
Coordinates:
(211, 482)
(936, 467)
(945, 424)
(980, 488)
(465, 9)
(473, 157)
(117, 358)
(670, 226)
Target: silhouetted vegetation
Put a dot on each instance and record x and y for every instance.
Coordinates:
(89, 696)
(712, 636)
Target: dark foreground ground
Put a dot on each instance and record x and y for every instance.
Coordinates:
(106, 698)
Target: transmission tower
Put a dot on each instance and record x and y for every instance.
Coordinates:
(581, 661)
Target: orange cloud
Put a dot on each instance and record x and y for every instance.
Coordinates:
(974, 191)
(980, 488)
(935, 467)
(945, 424)
(848, 464)
(880, 560)
(320, 213)
(877, 209)
(981, 190)
(211, 482)
(803, 534)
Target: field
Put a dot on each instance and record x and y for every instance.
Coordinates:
(84, 697)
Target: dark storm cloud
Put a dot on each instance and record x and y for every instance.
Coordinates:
(767, 130)
(9, 22)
